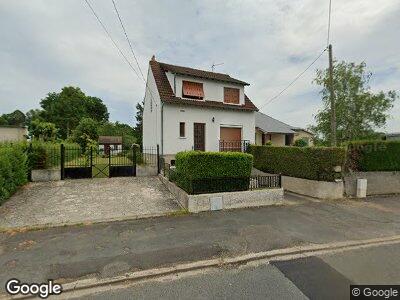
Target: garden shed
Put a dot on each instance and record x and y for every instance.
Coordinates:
(107, 143)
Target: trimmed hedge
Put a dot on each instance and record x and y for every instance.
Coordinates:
(197, 172)
(373, 156)
(13, 170)
(315, 163)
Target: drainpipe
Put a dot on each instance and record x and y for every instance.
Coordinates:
(162, 127)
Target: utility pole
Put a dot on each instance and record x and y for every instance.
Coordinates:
(332, 98)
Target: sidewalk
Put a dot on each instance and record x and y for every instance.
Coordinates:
(104, 250)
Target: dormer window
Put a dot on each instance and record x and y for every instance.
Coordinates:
(193, 90)
(231, 95)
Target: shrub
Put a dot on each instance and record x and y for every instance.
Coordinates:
(300, 143)
(373, 156)
(198, 172)
(13, 170)
(315, 163)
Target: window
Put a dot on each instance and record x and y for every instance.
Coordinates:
(193, 90)
(182, 129)
(231, 95)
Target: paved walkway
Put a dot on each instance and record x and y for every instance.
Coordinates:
(109, 249)
(86, 200)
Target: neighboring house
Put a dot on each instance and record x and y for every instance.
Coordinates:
(9, 133)
(107, 143)
(395, 136)
(191, 109)
(278, 133)
(302, 134)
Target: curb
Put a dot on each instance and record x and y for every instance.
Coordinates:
(268, 256)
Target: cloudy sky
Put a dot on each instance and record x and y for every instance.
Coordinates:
(46, 45)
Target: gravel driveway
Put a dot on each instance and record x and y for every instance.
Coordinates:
(86, 200)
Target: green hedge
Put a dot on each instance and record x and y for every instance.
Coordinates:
(200, 171)
(315, 163)
(13, 170)
(373, 156)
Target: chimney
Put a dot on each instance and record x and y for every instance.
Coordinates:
(153, 58)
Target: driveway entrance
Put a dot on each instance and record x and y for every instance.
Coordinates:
(86, 200)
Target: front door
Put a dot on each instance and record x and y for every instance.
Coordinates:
(199, 136)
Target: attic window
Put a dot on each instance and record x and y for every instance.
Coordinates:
(231, 95)
(193, 90)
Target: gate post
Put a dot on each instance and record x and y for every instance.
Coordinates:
(158, 159)
(134, 149)
(109, 163)
(62, 158)
(91, 157)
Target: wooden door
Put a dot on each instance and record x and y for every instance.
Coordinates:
(199, 134)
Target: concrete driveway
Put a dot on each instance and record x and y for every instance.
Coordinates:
(85, 201)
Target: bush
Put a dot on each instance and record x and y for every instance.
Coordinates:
(198, 172)
(315, 163)
(373, 156)
(300, 143)
(13, 170)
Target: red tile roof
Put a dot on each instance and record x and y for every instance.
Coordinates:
(167, 94)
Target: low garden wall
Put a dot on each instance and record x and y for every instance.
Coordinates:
(378, 183)
(327, 190)
(225, 200)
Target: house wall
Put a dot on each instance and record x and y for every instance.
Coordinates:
(13, 134)
(278, 139)
(213, 90)
(258, 138)
(304, 135)
(151, 114)
(174, 114)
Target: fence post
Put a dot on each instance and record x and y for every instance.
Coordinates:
(158, 159)
(91, 157)
(62, 158)
(134, 149)
(109, 162)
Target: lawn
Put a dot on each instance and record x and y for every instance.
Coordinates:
(99, 160)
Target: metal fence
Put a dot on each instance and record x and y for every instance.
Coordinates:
(265, 181)
(233, 146)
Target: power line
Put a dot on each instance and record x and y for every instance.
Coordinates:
(111, 38)
(127, 38)
(133, 52)
(294, 80)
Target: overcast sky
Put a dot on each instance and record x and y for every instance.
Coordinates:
(45, 45)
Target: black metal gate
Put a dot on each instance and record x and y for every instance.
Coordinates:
(97, 163)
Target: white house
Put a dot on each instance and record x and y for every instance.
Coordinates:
(191, 109)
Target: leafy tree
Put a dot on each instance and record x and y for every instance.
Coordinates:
(86, 133)
(359, 111)
(139, 122)
(67, 108)
(16, 118)
(43, 130)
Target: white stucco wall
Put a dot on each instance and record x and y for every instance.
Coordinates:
(13, 134)
(151, 114)
(213, 90)
(174, 114)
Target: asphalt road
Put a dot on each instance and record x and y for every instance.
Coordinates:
(316, 277)
(105, 250)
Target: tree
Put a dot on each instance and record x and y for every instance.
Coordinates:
(16, 118)
(43, 130)
(139, 122)
(67, 108)
(359, 111)
(86, 133)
